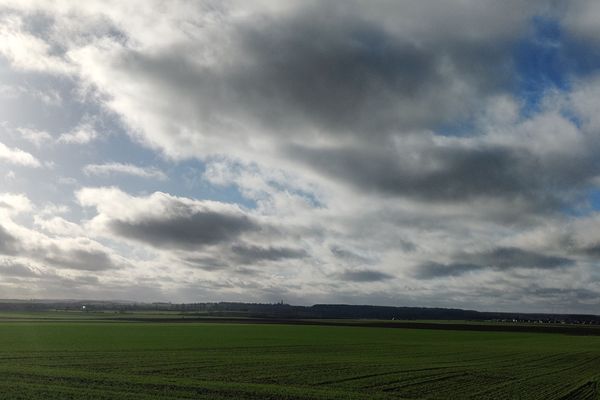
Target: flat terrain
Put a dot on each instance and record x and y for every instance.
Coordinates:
(87, 359)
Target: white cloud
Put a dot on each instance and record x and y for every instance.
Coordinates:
(81, 134)
(17, 156)
(26, 51)
(127, 169)
(47, 96)
(14, 203)
(37, 137)
(59, 226)
(70, 252)
(114, 204)
(50, 209)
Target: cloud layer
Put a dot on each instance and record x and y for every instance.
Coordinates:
(393, 153)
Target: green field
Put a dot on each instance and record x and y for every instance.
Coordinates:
(130, 360)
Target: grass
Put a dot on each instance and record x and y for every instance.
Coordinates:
(129, 360)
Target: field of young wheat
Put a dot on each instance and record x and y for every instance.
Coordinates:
(132, 360)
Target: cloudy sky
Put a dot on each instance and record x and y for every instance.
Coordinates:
(384, 152)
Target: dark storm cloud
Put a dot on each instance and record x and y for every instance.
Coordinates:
(502, 258)
(196, 228)
(364, 275)
(250, 254)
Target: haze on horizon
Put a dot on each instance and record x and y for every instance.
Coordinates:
(414, 153)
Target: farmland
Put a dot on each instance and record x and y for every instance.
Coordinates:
(82, 359)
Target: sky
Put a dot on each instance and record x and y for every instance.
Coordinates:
(409, 153)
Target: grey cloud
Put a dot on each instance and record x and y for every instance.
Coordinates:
(88, 280)
(342, 71)
(443, 174)
(8, 243)
(570, 243)
(350, 256)
(364, 275)
(68, 255)
(324, 67)
(206, 263)
(249, 272)
(78, 258)
(201, 234)
(565, 294)
(250, 254)
(64, 284)
(16, 269)
(347, 73)
(510, 257)
(593, 250)
(194, 229)
(343, 74)
(458, 171)
(340, 75)
(230, 258)
(502, 258)
(432, 270)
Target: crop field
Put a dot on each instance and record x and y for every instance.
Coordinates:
(159, 360)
